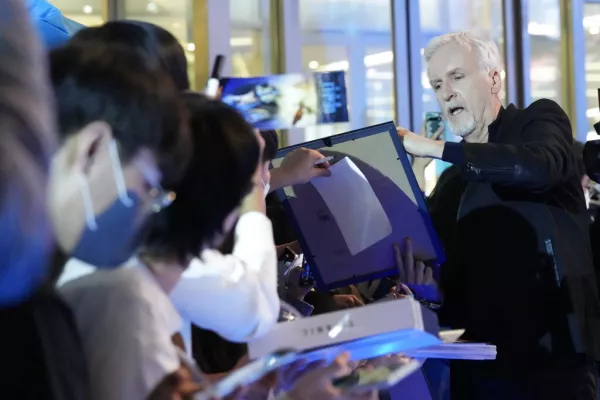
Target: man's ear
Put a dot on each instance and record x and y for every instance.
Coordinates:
(496, 81)
(89, 141)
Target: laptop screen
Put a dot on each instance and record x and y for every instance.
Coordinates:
(348, 223)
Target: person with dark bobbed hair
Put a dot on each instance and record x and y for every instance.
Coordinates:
(156, 44)
(125, 315)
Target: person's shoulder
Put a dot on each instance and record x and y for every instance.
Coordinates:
(545, 116)
(546, 107)
(120, 281)
(126, 289)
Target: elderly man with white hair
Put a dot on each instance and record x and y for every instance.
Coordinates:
(519, 273)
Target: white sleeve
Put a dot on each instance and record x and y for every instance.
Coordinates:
(234, 295)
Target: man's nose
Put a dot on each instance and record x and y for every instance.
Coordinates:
(448, 94)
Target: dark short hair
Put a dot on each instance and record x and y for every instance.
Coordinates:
(219, 175)
(154, 43)
(140, 103)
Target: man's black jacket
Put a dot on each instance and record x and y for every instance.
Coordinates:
(519, 271)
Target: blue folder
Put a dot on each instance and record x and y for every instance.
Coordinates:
(379, 154)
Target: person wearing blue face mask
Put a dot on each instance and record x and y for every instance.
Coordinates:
(40, 347)
(121, 136)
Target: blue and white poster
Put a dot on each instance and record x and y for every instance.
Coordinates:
(288, 101)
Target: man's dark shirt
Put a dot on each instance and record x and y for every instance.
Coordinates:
(519, 271)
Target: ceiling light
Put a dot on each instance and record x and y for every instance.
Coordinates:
(241, 41)
(594, 30)
(152, 7)
(536, 29)
(591, 20)
(87, 9)
(592, 112)
(337, 66)
(373, 60)
(313, 65)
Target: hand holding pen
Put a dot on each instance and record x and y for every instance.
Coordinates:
(324, 160)
(300, 166)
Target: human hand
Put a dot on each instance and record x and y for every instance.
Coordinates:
(299, 167)
(347, 300)
(283, 379)
(288, 375)
(417, 277)
(179, 385)
(317, 383)
(294, 288)
(293, 246)
(385, 361)
(400, 291)
(420, 163)
(420, 146)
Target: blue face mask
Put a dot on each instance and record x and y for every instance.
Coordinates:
(110, 238)
(113, 239)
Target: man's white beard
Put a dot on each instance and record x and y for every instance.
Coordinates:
(465, 128)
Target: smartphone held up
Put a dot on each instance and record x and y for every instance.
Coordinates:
(433, 122)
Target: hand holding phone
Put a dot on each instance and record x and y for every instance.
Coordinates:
(434, 125)
(299, 281)
(307, 278)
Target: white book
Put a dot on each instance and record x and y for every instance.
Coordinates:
(373, 330)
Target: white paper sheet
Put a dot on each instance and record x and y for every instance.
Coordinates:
(354, 206)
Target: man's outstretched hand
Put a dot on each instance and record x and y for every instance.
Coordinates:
(414, 274)
(420, 146)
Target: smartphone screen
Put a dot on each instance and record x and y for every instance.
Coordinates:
(306, 279)
(287, 261)
(433, 121)
(288, 256)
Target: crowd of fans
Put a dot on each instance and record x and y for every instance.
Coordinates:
(142, 246)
